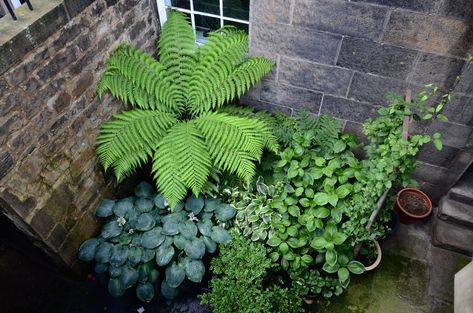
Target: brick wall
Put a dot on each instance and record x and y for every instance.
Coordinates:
(341, 58)
(50, 180)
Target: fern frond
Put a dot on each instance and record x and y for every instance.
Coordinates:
(181, 161)
(177, 49)
(130, 162)
(131, 132)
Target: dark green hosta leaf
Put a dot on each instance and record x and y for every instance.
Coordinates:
(144, 205)
(152, 238)
(105, 209)
(144, 190)
(195, 204)
(177, 217)
(175, 275)
(171, 228)
(145, 292)
(147, 255)
(119, 256)
(144, 271)
(88, 249)
(115, 271)
(205, 216)
(220, 235)
(210, 245)
(111, 230)
(195, 270)
(145, 222)
(168, 241)
(153, 276)
(211, 204)
(195, 249)
(160, 202)
(135, 255)
(205, 228)
(167, 291)
(164, 255)
(188, 229)
(225, 212)
(115, 287)
(125, 238)
(101, 268)
(122, 207)
(180, 242)
(129, 277)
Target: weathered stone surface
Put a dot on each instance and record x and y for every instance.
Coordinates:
(74, 7)
(6, 163)
(461, 9)
(463, 191)
(347, 109)
(465, 85)
(295, 42)
(444, 157)
(454, 135)
(374, 89)
(273, 11)
(438, 70)
(42, 223)
(407, 29)
(463, 285)
(456, 212)
(415, 5)
(368, 56)
(265, 106)
(452, 237)
(434, 174)
(289, 96)
(57, 237)
(341, 17)
(314, 76)
(460, 110)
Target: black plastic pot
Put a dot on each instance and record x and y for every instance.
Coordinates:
(393, 224)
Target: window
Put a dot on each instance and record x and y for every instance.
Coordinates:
(208, 15)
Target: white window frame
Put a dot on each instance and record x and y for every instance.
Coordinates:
(162, 6)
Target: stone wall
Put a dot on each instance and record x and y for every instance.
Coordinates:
(50, 180)
(341, 58)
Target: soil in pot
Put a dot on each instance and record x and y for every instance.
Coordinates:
(413, 204)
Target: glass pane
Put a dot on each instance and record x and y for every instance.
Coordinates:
(206, 24)
(185, 4)
(239, 9)
(207, 6)
(237, 25)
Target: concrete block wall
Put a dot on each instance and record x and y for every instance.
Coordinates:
(341, 58)
(50, 178)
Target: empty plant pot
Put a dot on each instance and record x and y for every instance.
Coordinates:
(412, 205)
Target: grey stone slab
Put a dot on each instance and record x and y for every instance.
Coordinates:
(429, 154)
(370, 57)
(463, 296)
(435, 175)
(348, 109)
(439, 70)
(329, 79)
(462, 9)
(374, 89)
(460, 110)
(271, 11)
(415, 5)
(435, 192)
(452, 237)
(407, 29)
(408, 243)
(341, 17)
(465, 85)
(449, 36)
(6, 163)
(74, 7)
(456, 212)
(454, 135)
(290, 96)
(295, 42)
(463, 189)
(266, 106)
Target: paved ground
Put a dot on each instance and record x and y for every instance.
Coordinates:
(414, 277)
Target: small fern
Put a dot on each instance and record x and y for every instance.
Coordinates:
(176, 117)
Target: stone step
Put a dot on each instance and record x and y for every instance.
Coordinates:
(456, 212)
(463, 190)
(451, 236)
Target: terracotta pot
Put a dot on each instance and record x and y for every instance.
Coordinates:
(407, 217)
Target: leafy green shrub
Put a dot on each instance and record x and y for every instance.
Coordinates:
(141, 235)
(241, 282)
(175, 117)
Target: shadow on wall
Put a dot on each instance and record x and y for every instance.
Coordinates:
(465, 42)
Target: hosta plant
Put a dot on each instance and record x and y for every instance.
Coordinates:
(142, 241)
(175, 118)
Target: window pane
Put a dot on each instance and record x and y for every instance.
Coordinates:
(239, 9)
(185, 4)
(207, 6)
(237, 25)
(206, 24)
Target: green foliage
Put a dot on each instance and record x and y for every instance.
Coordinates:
(240, 283)
(141, 236)
(175, 117)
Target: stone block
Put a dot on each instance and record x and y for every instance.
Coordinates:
(74, 7)
(11, 202)
(48, 24)
(58, 63)
(6, 163)
(433, 174)
(328, 79)
(435, 69)
(271, 11)
(346, 109)
(461, 9)
(456, 212)
(265, 106)
(407, 29)
(414, 5)
(460, 110)
(463, 296)
(295, 42)
(137, 29)
(429, 154)
(289, 96)
(374, 89)
(408, 243)
(57, 237)
(42, 223)
(463, 191)
(370, 57)
(84, 82)
(454, 135)
(465, 85)
(341, 17)
(452, 237)
(435, 192)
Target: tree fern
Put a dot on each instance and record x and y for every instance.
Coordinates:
(176, 100)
